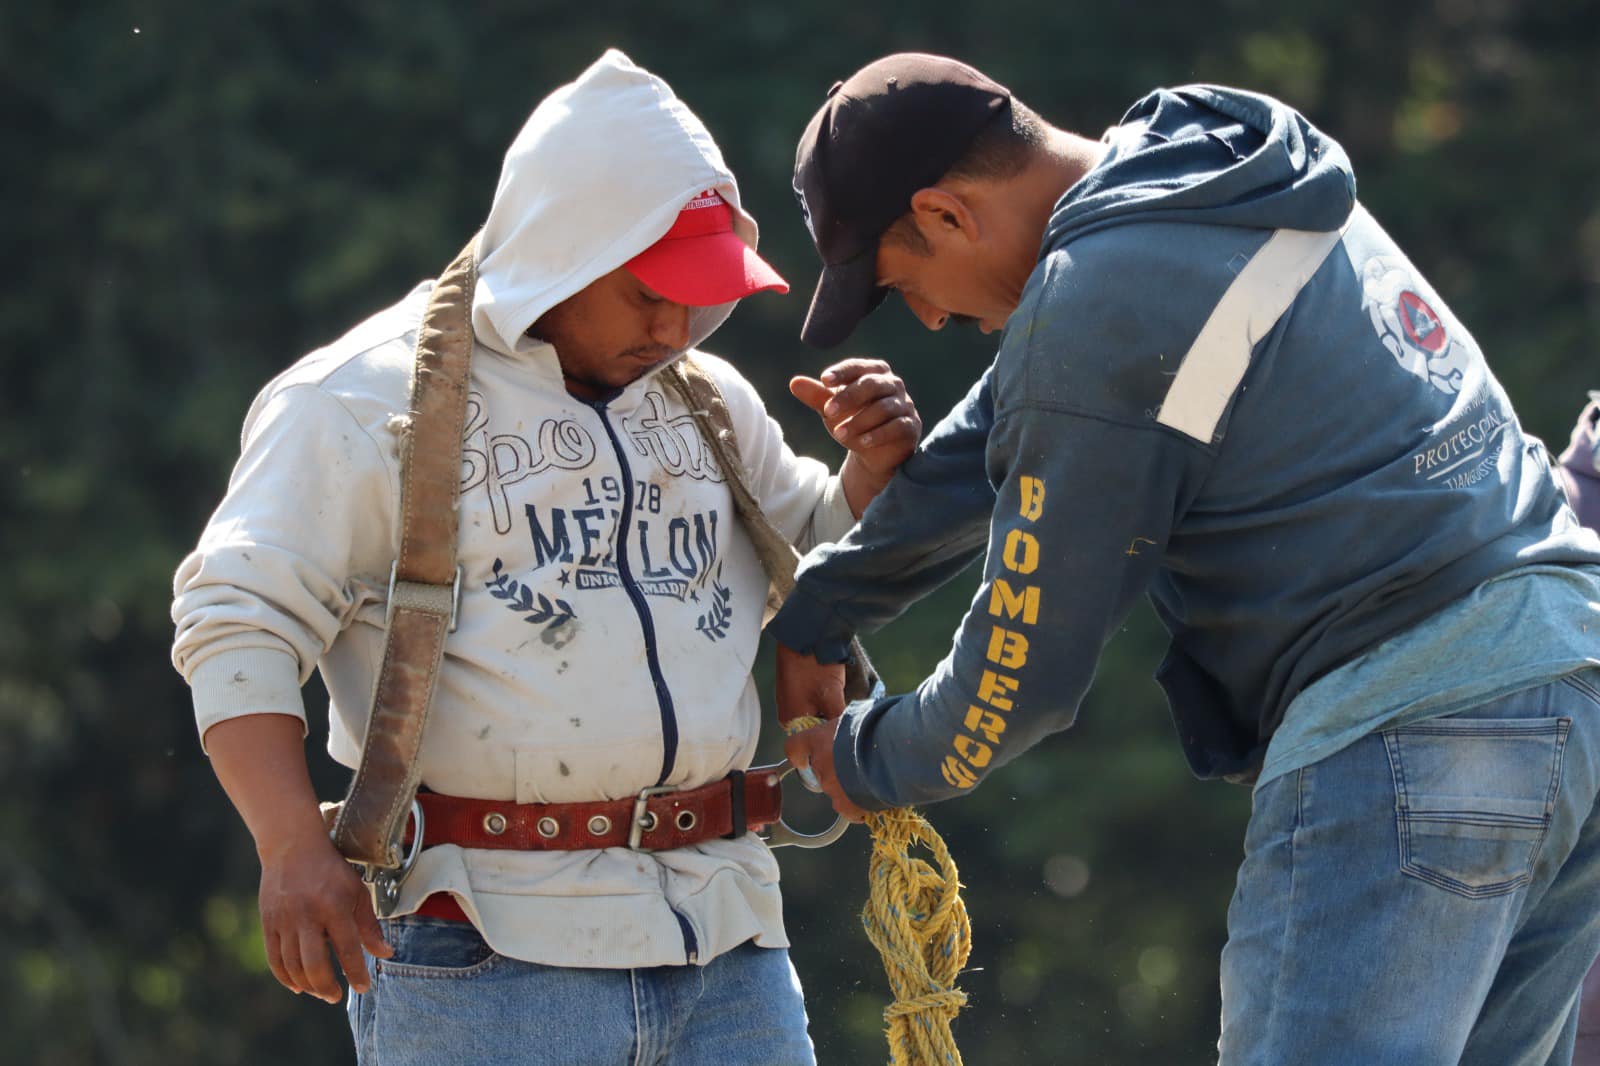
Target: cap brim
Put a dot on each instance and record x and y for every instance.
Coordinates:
(704, 271)
(846, 293)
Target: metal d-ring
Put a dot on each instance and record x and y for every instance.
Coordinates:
(782, 834)
(385, 883)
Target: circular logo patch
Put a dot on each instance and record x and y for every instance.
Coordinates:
(1422, 326)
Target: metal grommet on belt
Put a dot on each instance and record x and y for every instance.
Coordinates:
(685, 820)
(548, 827)
(647, 821)
(599, 825)
(494, 823)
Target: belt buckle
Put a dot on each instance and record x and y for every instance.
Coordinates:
(636, 824)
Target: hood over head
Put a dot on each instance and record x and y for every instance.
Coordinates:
(598, 174)
(1206, 154)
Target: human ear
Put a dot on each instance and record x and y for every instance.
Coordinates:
(942, 215)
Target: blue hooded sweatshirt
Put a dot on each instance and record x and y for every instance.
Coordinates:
(1225, 387)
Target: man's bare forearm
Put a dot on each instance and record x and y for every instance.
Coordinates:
(311, 898)
(261, 761)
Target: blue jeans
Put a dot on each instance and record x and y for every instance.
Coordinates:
(1428, 896)
(445, 998)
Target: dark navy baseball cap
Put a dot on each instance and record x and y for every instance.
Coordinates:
(895, 126)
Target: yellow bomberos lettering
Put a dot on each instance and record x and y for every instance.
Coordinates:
(956, 773)
(973, 750)
(1007, 648)
(985, 723)
(1022, 552)
(1004, 602)
(995, 689)
(1032, 490)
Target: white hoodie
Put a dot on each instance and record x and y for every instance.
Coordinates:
(611, 603)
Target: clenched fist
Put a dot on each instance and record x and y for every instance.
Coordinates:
(866, 408)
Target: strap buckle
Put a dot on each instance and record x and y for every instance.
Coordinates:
(423, 597)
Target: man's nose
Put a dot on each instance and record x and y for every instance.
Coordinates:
(670, 326)
(929, 315)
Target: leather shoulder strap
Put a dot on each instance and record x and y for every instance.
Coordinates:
(425, 584)
(699, 392)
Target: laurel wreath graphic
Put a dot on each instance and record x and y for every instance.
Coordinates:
(535, 608)
(714, 623)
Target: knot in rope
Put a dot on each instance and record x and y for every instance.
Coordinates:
(914, 916)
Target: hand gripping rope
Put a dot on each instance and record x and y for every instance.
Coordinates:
(915, 918)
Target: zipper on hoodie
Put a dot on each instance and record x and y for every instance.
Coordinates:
(691, 946)
(669, 718)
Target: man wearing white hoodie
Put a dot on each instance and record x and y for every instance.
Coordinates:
(609, 614)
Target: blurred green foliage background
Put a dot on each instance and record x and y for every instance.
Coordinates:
(194, 193)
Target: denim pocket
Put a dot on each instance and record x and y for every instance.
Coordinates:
(1473, 799)
(434, 947)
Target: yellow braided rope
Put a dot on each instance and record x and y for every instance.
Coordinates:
(915, 918)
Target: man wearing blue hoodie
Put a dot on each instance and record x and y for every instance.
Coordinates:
(1220, 383)
(1579, 470)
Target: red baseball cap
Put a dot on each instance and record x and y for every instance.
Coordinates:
(701, 262)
